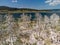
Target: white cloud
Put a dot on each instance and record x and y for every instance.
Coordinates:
(14, 0)
(53, 2)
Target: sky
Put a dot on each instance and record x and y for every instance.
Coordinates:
(34, 4)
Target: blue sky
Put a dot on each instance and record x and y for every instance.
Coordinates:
(35, 4)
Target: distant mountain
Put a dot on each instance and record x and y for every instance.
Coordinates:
(27, 9)
(7, 8)
(11, 8)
